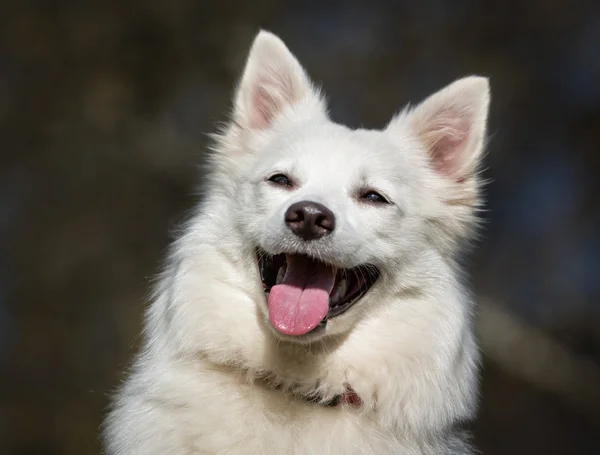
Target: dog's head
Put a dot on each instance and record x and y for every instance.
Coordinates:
(332, 212)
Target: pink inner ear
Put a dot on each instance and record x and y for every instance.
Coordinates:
(262, 108)
(448, 142)
(269, 97)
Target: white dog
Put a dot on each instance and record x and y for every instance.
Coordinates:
(313, 304)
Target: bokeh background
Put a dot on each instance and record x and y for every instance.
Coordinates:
(104, 106)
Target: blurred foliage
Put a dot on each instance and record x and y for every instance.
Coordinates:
(104, 106)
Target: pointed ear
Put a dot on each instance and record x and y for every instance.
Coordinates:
(272, 80)
(451, 125)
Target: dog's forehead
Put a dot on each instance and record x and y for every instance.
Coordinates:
(337, 150)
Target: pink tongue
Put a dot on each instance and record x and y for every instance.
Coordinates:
(301, 301)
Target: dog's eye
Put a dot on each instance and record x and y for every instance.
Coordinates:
(280, 179)
(374, 196)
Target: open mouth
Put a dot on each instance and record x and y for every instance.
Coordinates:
(303, 293)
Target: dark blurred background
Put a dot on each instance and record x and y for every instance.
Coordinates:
(104, 106)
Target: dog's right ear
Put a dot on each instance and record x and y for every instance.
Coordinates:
(272, 82)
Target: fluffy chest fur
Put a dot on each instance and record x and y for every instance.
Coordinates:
(213, 412)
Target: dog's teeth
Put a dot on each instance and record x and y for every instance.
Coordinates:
(280, 275)
(334, 298)
(340, 291)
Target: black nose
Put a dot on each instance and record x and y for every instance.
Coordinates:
(310, 220)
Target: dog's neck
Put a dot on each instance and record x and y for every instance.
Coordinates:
(348, 397)
(269, 379)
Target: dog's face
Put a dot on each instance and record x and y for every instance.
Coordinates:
(333, 212)
(345, 197)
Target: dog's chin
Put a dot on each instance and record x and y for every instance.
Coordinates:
(327, 295)
(314, 336)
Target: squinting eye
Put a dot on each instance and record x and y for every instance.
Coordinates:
(375, 197)
(280, 179)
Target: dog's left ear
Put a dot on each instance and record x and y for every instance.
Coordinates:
(451, 125)
(272, 82)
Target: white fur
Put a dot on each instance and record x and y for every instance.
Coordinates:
(203, 383)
